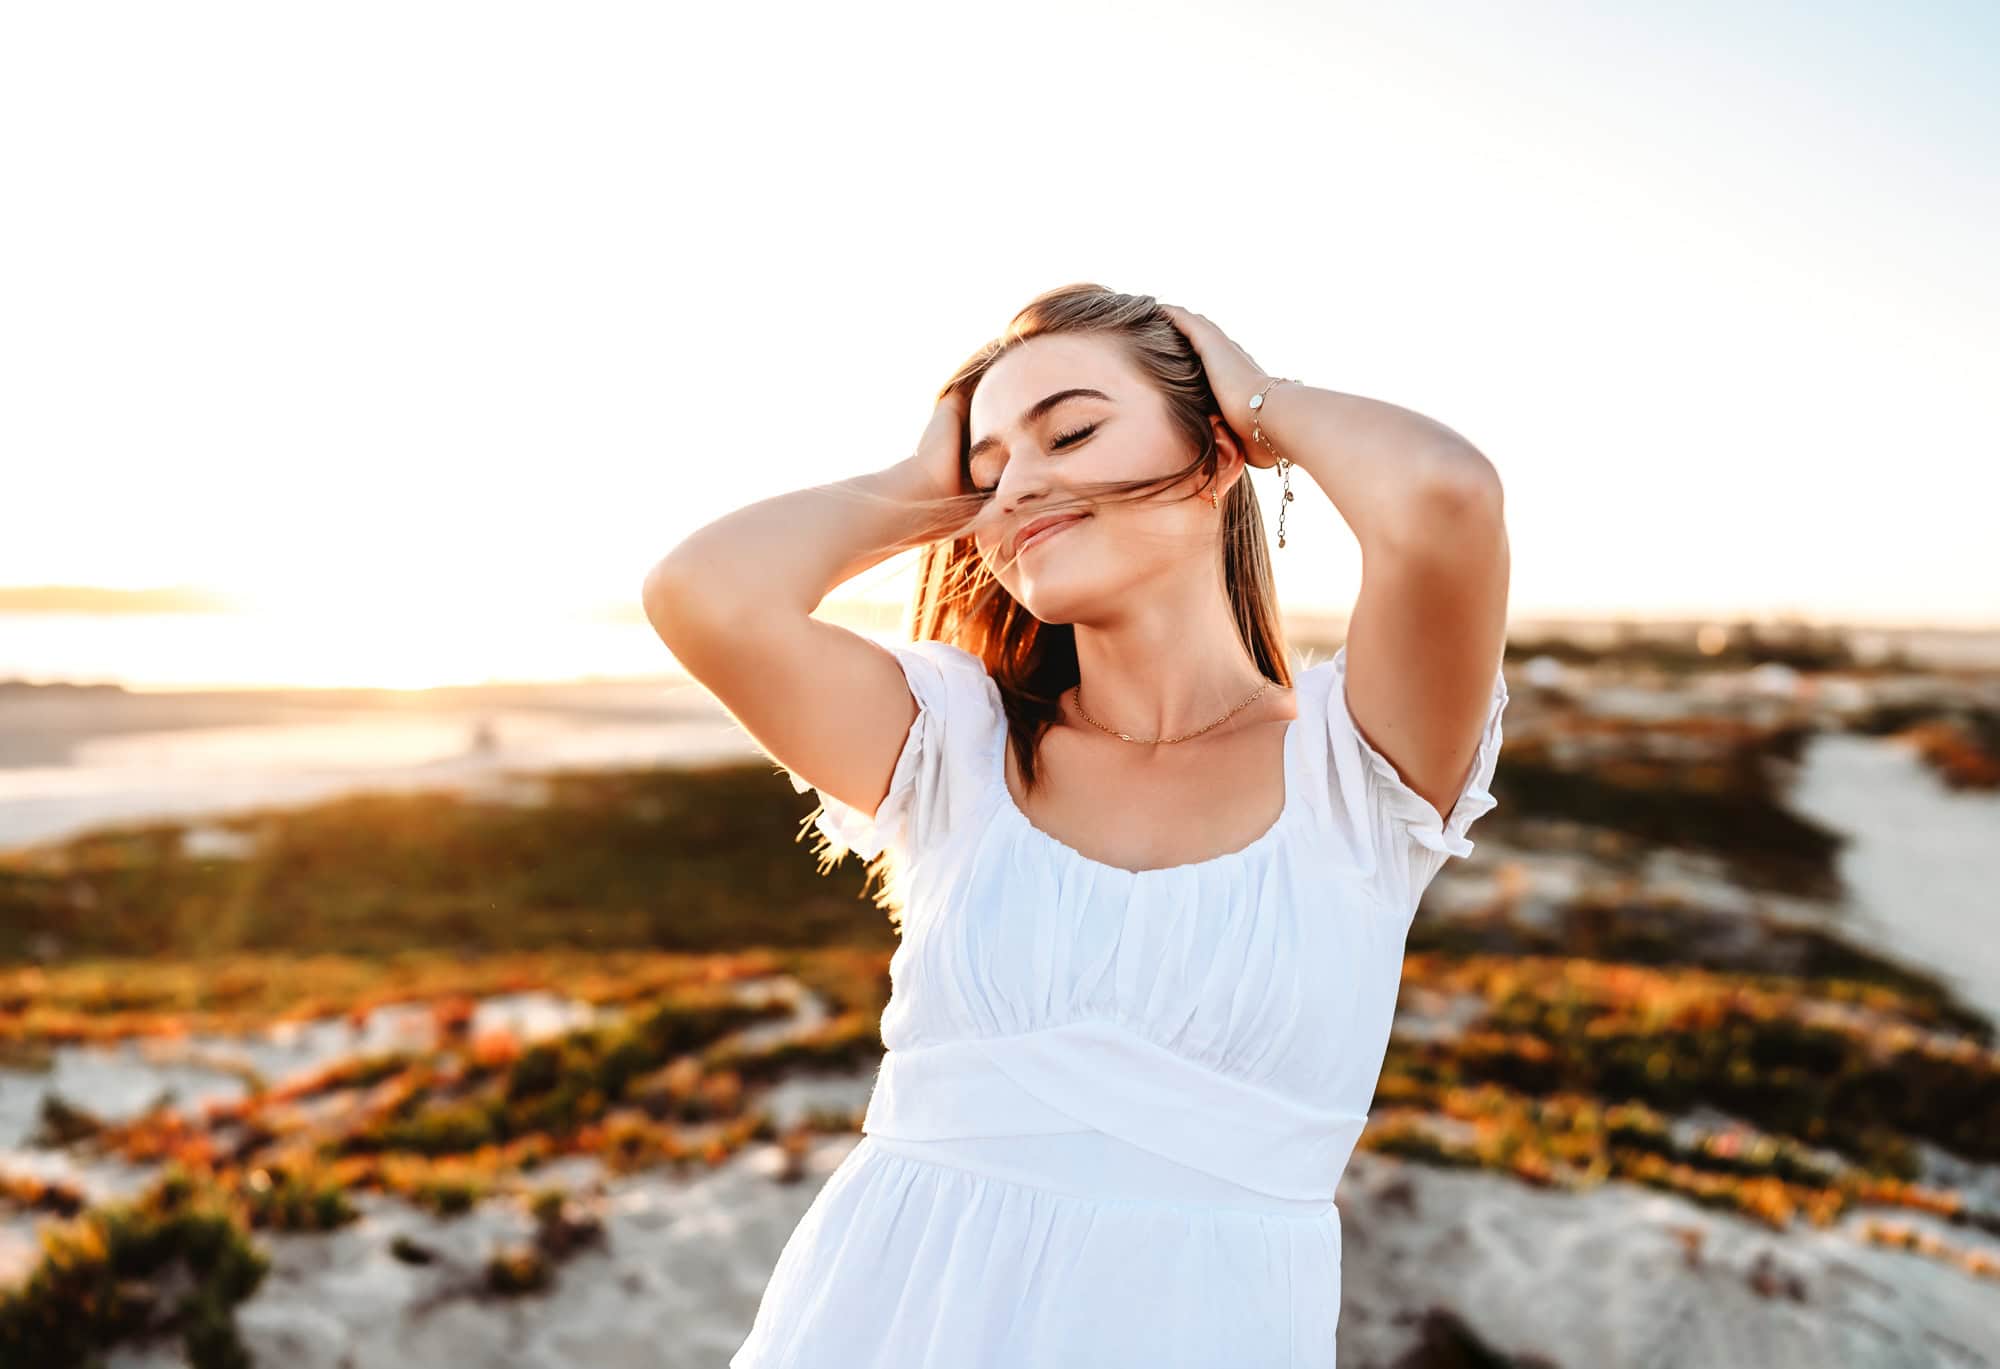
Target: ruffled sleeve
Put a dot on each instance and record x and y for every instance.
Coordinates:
(943, 679)
(1409, 839)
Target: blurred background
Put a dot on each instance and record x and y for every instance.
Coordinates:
(399, 958)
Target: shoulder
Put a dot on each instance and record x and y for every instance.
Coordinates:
(947, 656)
(1313, 685)
(953, 674)
(936, 778)
(1396, 829)
(954, 688)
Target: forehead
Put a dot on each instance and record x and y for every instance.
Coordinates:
(1041, 366)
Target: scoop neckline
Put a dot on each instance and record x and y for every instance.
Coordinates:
(1267, 837)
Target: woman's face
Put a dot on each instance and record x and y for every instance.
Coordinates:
(1035, 457)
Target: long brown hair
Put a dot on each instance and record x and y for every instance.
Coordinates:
(1033, 662)
(958, 600)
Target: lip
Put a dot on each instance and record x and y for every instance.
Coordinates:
(1043, 528)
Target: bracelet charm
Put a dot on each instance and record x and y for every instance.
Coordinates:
(1257, 435)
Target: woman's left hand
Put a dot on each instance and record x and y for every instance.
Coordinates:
(1233, 374)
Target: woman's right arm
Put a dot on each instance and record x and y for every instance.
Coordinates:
(734, 603)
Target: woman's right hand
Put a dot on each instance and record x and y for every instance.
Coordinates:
(940, 452)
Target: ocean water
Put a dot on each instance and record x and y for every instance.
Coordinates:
(69, 763)
(266, 649)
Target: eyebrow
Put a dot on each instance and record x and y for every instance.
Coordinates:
(1034, 412)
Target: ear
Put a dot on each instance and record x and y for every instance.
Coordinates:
(1230, 456)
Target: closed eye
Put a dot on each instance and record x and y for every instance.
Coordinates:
(1058, 442)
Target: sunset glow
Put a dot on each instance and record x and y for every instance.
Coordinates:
(441, 379)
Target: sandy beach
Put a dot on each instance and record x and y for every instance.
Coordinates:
(1450, 1252)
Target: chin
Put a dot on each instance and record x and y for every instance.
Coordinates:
(1066, 584)
(1056, 597)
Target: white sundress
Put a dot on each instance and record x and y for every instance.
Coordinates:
(1114, 1104)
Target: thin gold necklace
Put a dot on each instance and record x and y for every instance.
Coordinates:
(1160, 741)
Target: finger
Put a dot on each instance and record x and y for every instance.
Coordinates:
(1189, 324)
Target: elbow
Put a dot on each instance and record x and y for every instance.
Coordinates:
(668, 596)
(1455, 492)
(1463, 473)
(1460, 478)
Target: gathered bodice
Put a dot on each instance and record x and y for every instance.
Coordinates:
(1231, 1014)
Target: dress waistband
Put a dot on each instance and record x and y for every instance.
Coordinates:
(1165, 1127)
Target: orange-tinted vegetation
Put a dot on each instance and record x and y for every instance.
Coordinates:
(1775, 1071)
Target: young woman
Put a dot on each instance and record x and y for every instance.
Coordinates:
(1152, 886)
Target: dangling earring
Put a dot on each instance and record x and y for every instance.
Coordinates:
(1214, 501)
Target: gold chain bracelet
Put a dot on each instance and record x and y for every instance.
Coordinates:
(1257, 435)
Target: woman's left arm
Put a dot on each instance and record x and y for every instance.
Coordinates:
(1428, 629)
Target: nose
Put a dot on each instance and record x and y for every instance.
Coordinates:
(1020, 483)
(1016, 497)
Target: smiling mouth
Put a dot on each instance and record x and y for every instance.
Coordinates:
(1043, 534)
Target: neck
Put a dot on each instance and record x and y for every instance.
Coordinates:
(1165, 668)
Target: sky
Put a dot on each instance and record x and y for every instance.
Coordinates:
(387, 311)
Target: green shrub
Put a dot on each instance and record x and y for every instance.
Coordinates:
(101, 1280)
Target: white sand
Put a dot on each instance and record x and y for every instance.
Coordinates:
(1602, 1279)
(1606, 1279)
